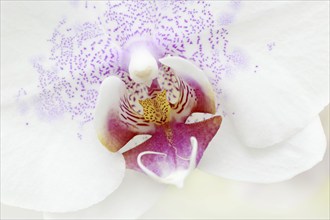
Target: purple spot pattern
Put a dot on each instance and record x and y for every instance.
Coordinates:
(170, 83)
(134, 91)
(85, 54)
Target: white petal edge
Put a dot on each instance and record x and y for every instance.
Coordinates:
(186, 69)
(135, 196)
(46, 167)
(291, 83)
(227, 157)
(108, 100)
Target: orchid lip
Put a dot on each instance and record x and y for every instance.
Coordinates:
(176, 178)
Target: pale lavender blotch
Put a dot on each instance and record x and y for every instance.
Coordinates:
(226, 19)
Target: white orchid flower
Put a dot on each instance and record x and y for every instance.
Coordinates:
(165, 87)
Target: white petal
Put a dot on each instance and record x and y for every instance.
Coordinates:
(48, 166)
(226, 156)
(44, 164)
(135, 196)
(289, 51)
(110, 130)
(111, 90)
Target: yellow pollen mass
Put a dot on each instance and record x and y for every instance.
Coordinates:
(157, 109)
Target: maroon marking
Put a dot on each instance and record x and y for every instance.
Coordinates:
(182, 107)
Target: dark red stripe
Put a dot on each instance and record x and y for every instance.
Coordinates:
(181, 96)
(187, 97)
(141, 124)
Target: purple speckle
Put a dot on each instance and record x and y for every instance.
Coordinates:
(256, 67)
(21, 92)
(271, 46)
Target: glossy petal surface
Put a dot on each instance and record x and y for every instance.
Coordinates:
(135, 195)
(229, 158)
(46, 166)
(283, 82)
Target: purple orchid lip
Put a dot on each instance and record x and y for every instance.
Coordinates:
(161, 110)
(165, 157)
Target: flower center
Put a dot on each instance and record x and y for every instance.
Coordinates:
(156, 109)
(160, 106)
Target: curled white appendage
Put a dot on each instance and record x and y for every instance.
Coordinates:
(176, 178)
(144, 168)
(143, 66)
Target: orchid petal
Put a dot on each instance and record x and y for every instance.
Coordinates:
(135, 195)
(285, 83)
(195, 78)
(46, 166)
(50, 160)
(228, 157)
